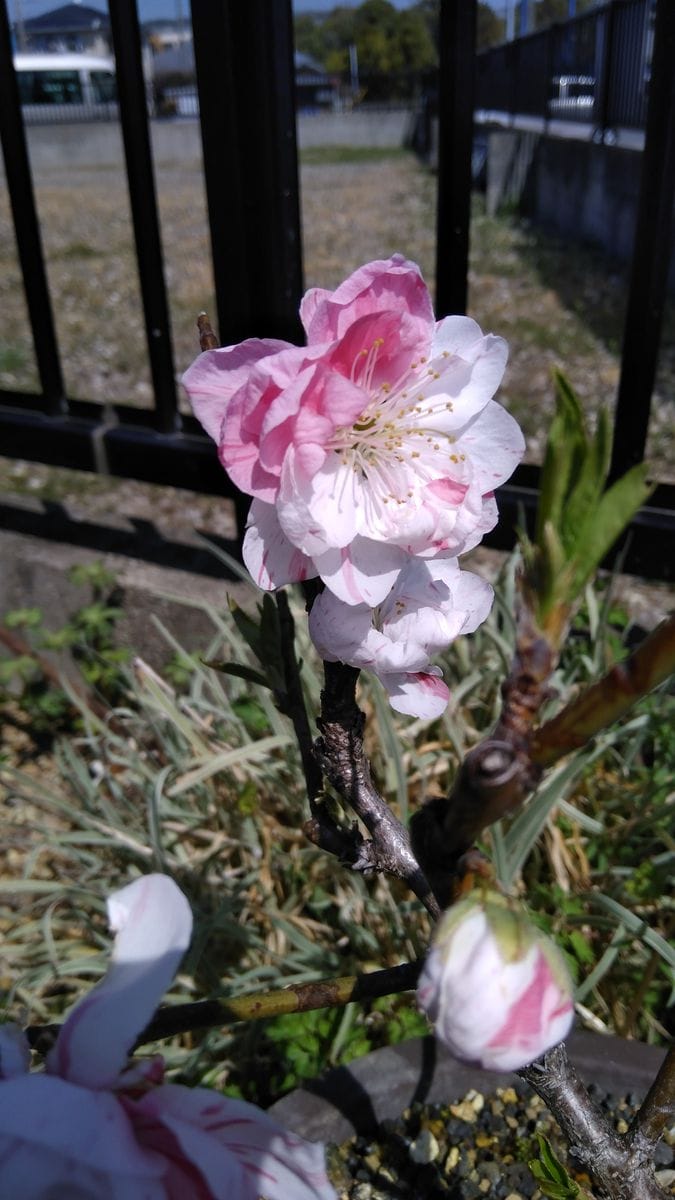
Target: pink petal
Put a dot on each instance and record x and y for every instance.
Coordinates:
(14, 1051)
(270, 558)
(418, 695)
(379, 349)
(393, 284)
(237, 1149)
(153, 923)
(217, 374)
(63, 1136)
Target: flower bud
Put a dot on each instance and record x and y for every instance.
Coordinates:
(495, 987)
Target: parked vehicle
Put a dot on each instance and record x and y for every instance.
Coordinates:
(71, 87)
(573, 98)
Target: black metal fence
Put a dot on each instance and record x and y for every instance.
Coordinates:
(594, 69)
(244, 65)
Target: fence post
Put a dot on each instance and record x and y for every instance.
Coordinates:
(605, 22)
(142, 197)
(651, 253)
(245, 80)
(455, 142)
(27, 228)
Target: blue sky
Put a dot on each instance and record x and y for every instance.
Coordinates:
(149, 9)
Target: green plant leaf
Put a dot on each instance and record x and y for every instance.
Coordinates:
(585, 493)
(550, 1174)
(241, 671)
(607, 520)
(563, 457)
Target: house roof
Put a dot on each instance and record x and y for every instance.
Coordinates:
(69, 18)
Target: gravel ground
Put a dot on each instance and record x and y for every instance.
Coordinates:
(479, 1147)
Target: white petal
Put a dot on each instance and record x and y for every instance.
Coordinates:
(153, 923)
(14, 1051)
(321, 511)
(361, 573)
(239, 1150)
(60, 1140)
(495, 445)
(270, 558)
(338, 630)
(417, 695)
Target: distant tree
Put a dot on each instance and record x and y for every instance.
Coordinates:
(490, 29)
(309, 37)
(416, 43)
(545, 12)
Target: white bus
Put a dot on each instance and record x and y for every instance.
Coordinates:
(66, 87)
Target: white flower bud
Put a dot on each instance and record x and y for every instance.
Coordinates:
(495, 987)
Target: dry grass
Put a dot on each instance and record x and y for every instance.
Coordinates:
(555, 303)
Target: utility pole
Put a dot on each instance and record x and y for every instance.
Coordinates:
(19, 27)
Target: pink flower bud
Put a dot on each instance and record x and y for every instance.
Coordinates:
(495, 987)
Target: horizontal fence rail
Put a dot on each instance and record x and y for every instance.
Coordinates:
(245, 83)
(594, 69)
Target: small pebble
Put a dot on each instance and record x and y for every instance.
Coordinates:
(425, 1148)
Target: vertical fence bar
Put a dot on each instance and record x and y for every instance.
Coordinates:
(651, 253)
(142, 197)
(245, 79)
(27, 227)
(455, 141)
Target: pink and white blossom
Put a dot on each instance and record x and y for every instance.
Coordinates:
(495, 987)
(430, 604)
(377, 440)
(94, 1128)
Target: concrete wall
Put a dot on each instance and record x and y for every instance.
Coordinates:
(99, 143)
(576, 189)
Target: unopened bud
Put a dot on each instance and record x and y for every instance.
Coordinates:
(495, 987)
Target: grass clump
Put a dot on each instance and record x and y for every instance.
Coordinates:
(196, 773)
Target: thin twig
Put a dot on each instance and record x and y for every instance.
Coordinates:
(206, 1014)
(341, 754)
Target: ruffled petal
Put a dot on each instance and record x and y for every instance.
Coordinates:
(237, 1149)
(270, 558)
(217, 374)
(153, 924)
(61, 1140)
(393, 284)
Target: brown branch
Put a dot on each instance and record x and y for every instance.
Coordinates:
(657, 1111)
(340, 753)
(618, 1166)
(497, 776)
(608, 699)
(205, 1014)
(207, 338)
